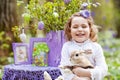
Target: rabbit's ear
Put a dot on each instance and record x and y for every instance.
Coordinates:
(88, 51)
(47, 76)
(81, 51)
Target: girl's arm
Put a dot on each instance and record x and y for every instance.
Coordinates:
(100, 69)
(64, 56)
(81, 72)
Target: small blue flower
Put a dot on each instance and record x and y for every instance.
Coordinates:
(85, 13)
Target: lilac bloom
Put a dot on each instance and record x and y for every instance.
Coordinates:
(114, 35)
(85, 13)
(84, 5)
(92, 14)
(67, 1)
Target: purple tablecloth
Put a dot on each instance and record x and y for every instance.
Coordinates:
(28, 72)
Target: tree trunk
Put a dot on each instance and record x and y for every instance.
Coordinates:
(8, 14)
(8, 19)
(117, 17)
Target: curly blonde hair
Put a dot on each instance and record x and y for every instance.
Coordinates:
(93, 28)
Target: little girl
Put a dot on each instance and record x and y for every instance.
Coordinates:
(81, 34)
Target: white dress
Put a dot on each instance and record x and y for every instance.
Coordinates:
(96, 58)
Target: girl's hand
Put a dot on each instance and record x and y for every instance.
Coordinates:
(81, 72)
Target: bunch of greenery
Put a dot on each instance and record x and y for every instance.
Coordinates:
(53, 14)
(5, 43)
(40, 47)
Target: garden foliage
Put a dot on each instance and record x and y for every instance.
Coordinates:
(53, 14)
(111, 48)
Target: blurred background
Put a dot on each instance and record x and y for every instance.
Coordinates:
(18, 14)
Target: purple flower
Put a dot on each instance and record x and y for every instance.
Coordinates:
(85, 13)
(67, 1)
(41, 25)
(107, 1)
(92, 14)
(84, 5)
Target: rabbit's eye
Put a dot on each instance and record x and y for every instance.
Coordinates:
(76, 55)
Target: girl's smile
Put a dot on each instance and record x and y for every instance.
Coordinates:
(80, 30)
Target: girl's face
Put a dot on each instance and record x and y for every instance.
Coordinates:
(80, 30)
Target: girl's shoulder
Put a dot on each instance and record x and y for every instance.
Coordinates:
(68, 43)
(95, 44)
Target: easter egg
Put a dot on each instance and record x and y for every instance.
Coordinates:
(41, 25)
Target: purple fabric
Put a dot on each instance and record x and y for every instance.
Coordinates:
(28, 72)
(55, 40)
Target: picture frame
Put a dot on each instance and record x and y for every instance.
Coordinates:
(33, 43)
(21, 53)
